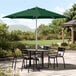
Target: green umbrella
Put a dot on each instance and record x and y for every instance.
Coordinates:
(36, 13)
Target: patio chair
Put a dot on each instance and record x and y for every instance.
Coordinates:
(60, 54)
(55, 56)
(14, 59)
(27, 58)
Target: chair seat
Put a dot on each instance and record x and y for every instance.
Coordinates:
(52, 55)
(32, 58)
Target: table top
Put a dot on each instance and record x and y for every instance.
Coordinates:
(38, 50)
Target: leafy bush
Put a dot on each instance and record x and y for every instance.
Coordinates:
(5, 45)
(18, 52)
(7, 72)
(73, 46)
(32, 46)
(53, 36)
(2, 53)
(19, 45)
(54, 45)
(5, 53)
(64, 44)
(9, 53)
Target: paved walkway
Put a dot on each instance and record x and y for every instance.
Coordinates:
(70, 70)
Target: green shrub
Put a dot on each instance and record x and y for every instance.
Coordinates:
(5, 45)
(54, 45)
(64, 44)
(18, 52)
(5, 53)
(9, 53)
(7, 72)
(2, 53)
(19, 45)
(32, 46)
(73, 46)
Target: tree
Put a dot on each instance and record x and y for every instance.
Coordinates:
(17, 35)
(3, 32)
(55, 26)
(43, 31)
(71, 13)
(29, 35)
(3, 35)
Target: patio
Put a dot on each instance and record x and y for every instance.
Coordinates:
(70, 70)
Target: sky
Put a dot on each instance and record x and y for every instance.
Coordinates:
(11, 6)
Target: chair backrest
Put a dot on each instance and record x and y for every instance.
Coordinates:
(61, 51)
(46, 47)
(24, 52)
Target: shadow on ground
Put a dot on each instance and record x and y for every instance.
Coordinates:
(60, 67)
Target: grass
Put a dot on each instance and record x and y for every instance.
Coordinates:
(42, 42)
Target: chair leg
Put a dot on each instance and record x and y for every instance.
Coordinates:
(36, 63)
(54, 64)
(15, 63)
(56, 61)
(12, 62)
(49, 62)
(33, 65)
(26, 63)
(23, 63)
(64, 62)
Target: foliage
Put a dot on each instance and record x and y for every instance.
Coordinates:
(73, 46)
(16, 44)
(64, 44)
(2, 73)
(55, 27)
(18, 52)
(43, 29)
(7, 72)
(3, 31)
(16, 35)
(3, 36)
(43, 32)
(5, 45)
(2, 53)
(5, 53)
(71, 13)
(54, 45)
(9, 53)
(29, 35)
(19, 35)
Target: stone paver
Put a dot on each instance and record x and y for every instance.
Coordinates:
(70, 70)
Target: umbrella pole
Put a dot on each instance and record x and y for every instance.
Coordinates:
(36, 35)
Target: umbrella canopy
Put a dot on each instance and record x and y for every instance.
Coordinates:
(35, 13)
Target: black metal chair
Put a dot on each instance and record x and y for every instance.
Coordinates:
(56, 55)
(26, 57)
(60, 54)
(14, 59)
